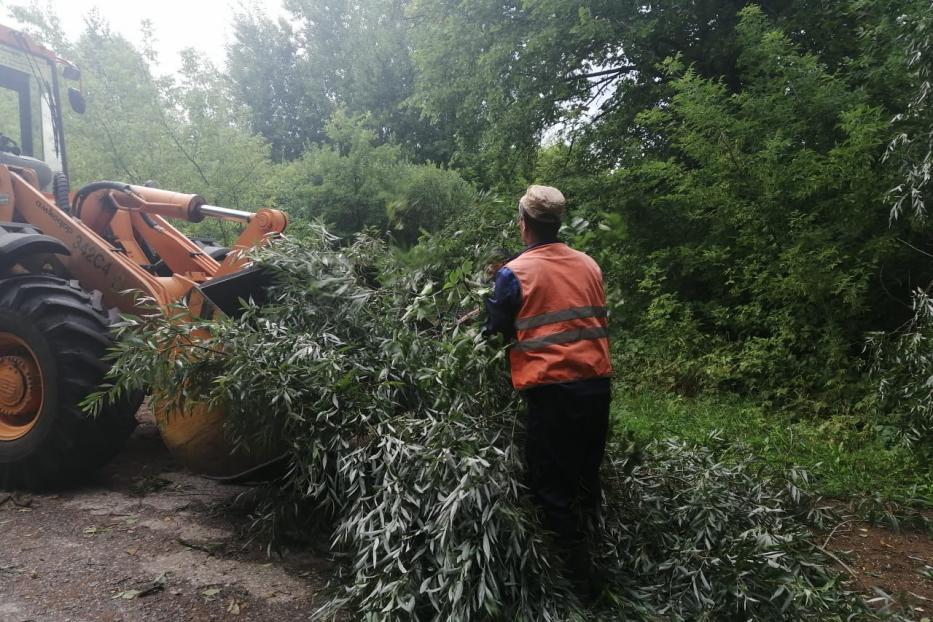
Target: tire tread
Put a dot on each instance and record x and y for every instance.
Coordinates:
(76, 328)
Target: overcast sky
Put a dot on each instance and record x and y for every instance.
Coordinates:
(202, 24)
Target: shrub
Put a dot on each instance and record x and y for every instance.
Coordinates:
(430, 198)
(353, 182)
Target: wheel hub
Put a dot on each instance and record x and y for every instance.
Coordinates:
(20, 388)
(18, 395)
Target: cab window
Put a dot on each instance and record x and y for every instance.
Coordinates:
(15, 121)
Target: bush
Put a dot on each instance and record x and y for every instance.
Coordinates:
(429, 199)
(352, 182)
(903, 370)
(403, 430)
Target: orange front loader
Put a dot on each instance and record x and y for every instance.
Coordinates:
(69, 262)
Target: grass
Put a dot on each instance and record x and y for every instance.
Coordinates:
(843, 461)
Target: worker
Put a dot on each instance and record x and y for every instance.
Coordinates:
(550, 300)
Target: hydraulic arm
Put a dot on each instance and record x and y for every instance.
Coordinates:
(121, 243)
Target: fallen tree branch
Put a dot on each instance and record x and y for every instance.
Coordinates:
(833, 532)
(210, 548)
(837, 560)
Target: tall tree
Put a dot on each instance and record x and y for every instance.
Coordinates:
(757, 253)
(506, 72)
(294, 73)
(289, 99)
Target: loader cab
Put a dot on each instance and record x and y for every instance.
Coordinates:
(31, 127)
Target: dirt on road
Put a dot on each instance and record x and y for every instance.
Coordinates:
(889, 568)
(146, 541)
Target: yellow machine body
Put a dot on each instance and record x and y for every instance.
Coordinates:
(112, 238)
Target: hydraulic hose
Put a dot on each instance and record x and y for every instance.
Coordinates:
(92, 187)
(60, 191)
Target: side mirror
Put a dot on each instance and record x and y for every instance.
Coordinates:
(76, 99)
(70, 72)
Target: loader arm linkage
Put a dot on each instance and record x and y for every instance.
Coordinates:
(115, 232)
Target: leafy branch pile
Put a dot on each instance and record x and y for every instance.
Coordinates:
(402, 430)
(903, 369)
(901, 363)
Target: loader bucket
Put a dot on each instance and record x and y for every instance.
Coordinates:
(225, 293)
(197, 437)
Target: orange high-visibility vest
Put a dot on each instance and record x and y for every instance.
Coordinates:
(561, 324)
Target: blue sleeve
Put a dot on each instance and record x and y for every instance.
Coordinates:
(503, 306)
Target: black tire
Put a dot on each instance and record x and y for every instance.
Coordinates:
(67, 331)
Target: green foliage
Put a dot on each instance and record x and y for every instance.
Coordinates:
(354, 182)
(348, 182)
(428, 199)
(357, 56)
(504, 74)
(497, 73)
(757, 238)
(843, 458)
(903, 369)
(699, 538)
(912, 146)
(470, 235)
(287, 106)
(901, 362)
(402, 427)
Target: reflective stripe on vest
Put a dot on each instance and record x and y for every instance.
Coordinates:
(559, 316)
(564, 337)
(561, 324)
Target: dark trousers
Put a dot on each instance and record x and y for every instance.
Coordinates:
(565, 443)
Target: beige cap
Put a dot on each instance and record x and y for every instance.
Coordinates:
(542, 203)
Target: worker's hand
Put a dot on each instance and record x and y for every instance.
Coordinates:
(492, 269)
(467, 317)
